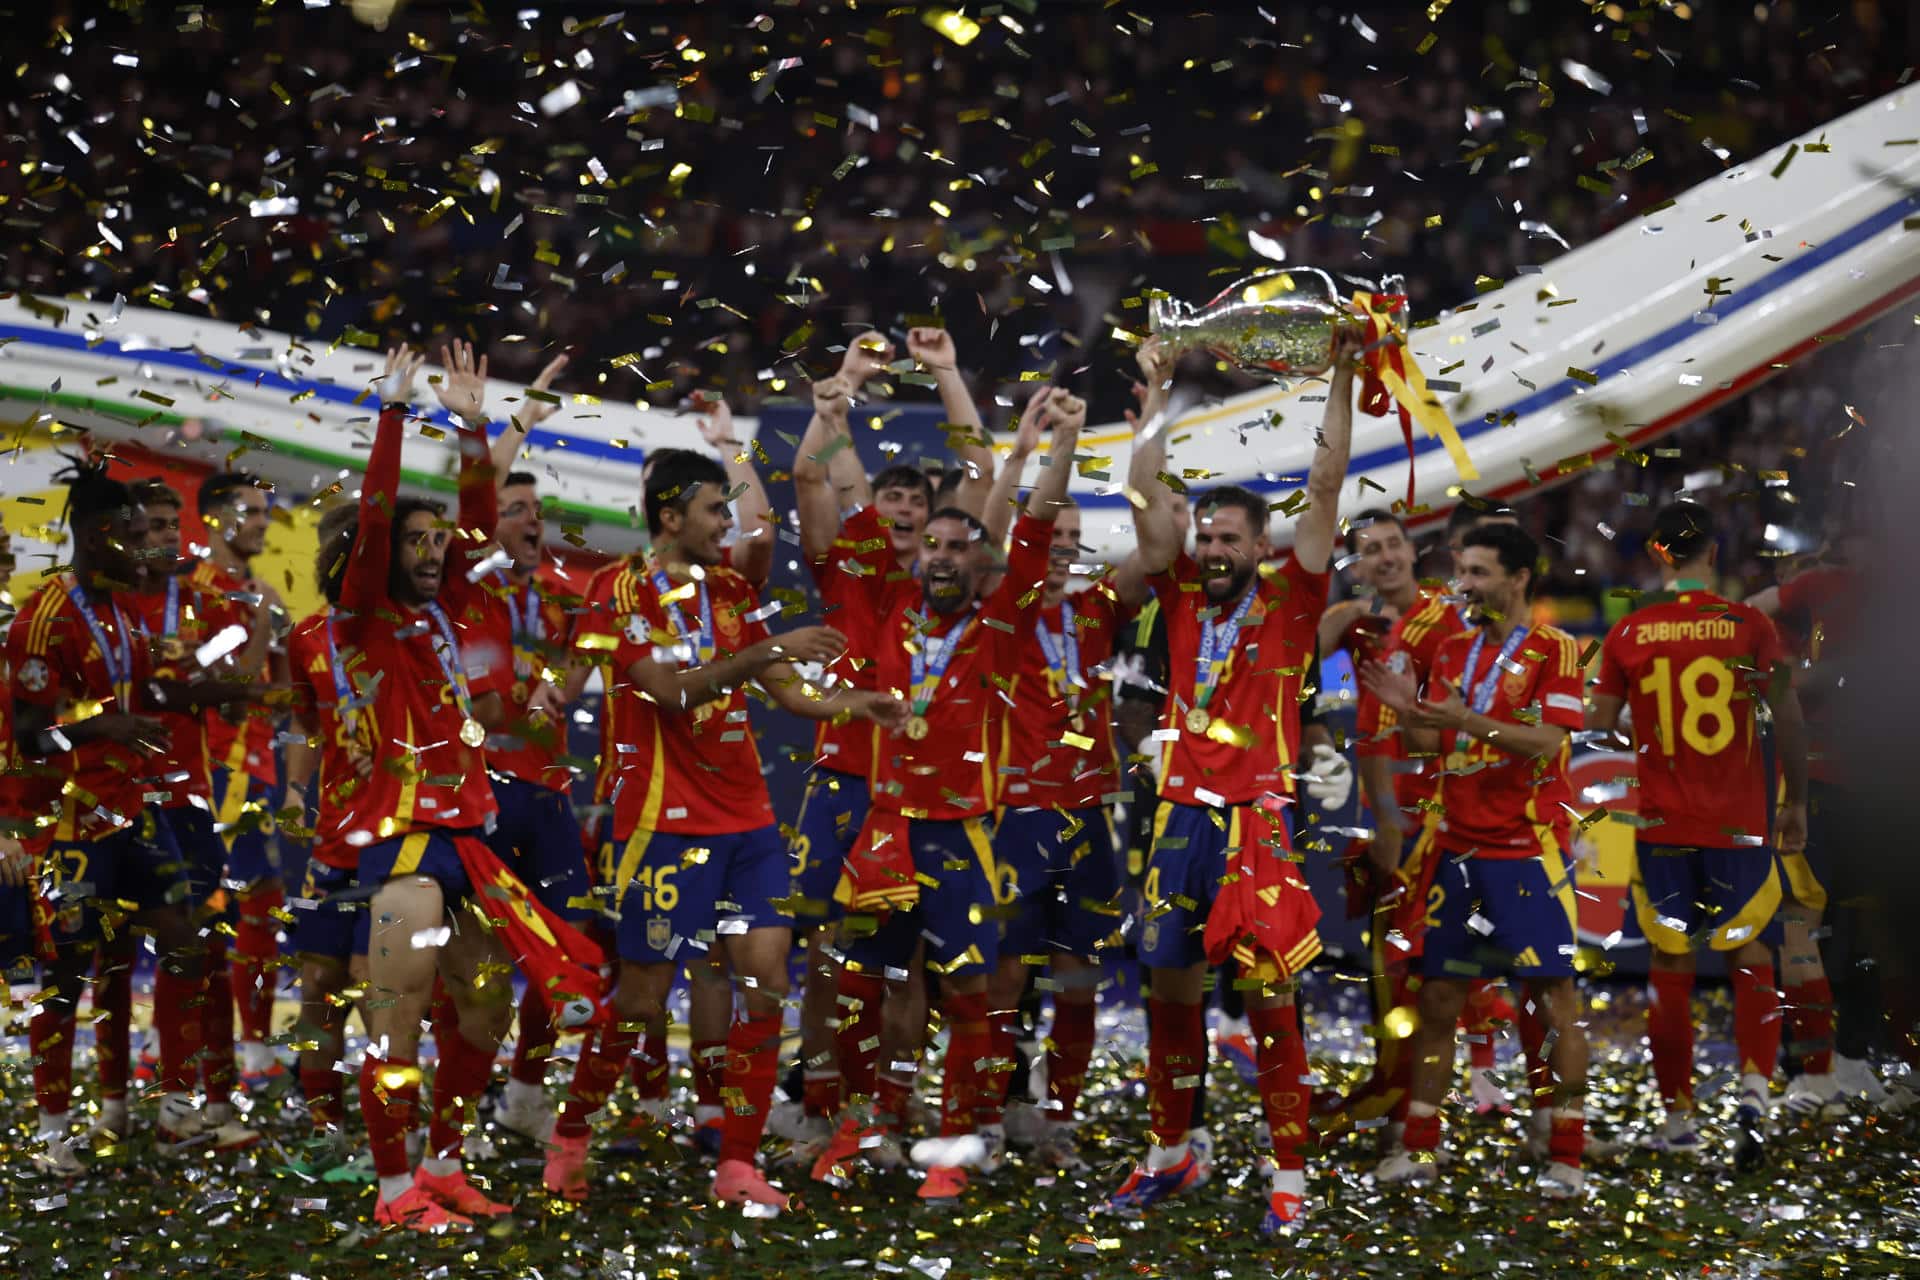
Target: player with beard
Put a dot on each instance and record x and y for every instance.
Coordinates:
(1500, 706)
(699, 856)
(1692, 665)
(1220, 882)
(234, 506)
(919, 883)
(85, 692)
(829, 481)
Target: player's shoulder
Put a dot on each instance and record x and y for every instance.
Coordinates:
(1416, 623)
(211, 577)
(1553, 648)
(42, 611)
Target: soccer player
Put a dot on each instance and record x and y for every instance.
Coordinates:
(29, 805)
(700, 864)
(189, 630)
(829, 480)
(330, 758)
(235, 505)
(1220, 884)
(1498, 706)
(84, 690)
(922, 867)
(1694, 668)
(1056, 864)
(418, 819)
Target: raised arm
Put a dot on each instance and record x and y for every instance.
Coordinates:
(934, 350)
(1156, 525)
(1066, 414)
(827, 437)
(753, 552)
(364, 586)
(537, 407)
(1314, 535)
(1004, 501)
(464, 393)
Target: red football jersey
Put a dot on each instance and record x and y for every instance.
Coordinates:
(1691, 666)
(240, 739)
(1059, 748)
(196, 617)
(521, 631)
(1829, 600)
(316, 699)
(424, 776)
(1410, 647)
(1491, 800)
(1253, 717)
(693, 772)
(29, 789)
(849, 747)
(950, 773)
(56, 662)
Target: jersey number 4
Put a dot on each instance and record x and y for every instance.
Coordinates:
(1706, 703)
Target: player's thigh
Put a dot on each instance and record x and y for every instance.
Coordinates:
(883, 946)
(1667, 887)
(755, 883)
(406, 918)
(1742, 892)
(667, 894)
(1184, 866)
(326, 924)
(760, 955)
(1085, 883)
(1023, 841)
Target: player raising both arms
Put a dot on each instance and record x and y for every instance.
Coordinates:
(700, 864)
(1499, 705)
(1694, 667)
(1220, 880)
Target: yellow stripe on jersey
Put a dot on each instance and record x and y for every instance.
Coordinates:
(1423, 620)
(409, 784)
(649, 820)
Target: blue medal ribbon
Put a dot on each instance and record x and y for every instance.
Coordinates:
(118, 662)
(931, 658)
(1481, 697)
(702, 640)
(529, 628)
(448, 653)
(1063, 659)
(342, 691)
(1216, 644)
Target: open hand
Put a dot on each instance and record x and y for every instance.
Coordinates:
(716, 422)
(883, 709)
(16, 864)
(809, 644)
(534, 411)
(396, 382)
(464, 389)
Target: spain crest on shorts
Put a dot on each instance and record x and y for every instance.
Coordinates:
(659, 933)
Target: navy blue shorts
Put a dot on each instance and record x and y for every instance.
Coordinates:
(1185, 862)
(1058, 882)
(677, 895)
(18, 945)
(204, 851)
(138, 866)
(245, 808)
(1490, 916)
(327, 925)
(1688, 898)
(537, 836)
(832, 810)
(427, 853)
(954, 912)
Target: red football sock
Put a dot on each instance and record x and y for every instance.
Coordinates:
(534, 1045)
(1756, 1020)
(1069, 1049)
(1393, 1071)
(256, 961)
(217, 1069)
(458, 1081)
(1670, 1034)
(1811, 1016)
(893, 1095)
(1477, 1019)
(179, 1005)
(601, 1061)
(324, 1090)
(113, 1023)
(1568, 1141)
(969, 1041)
(1533, 1043)
(50, 1041)
(820, 1092)
(1176, 1058)
(389, 1103)
(1422, 1132)
(650, 1068)
(1284, 1093)
(752, 1063)
(996, 1072)
(860, 996)
(709, 1072)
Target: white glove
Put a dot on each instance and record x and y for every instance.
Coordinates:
(1329, 777)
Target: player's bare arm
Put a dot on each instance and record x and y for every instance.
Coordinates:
(677, 691)
(1156, 524)
(933, 350)
(1318, 527)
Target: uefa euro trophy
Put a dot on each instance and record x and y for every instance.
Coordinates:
(1279, 321)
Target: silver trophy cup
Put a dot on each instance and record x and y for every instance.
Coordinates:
(1279, 321)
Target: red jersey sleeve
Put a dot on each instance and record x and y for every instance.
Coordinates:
(364, 587)
(1558, 686)
(1019, 591)
(858, 570)
(1613, 671)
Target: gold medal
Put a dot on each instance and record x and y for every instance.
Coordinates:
(472, 732)
(1198, 720)
(917, 727)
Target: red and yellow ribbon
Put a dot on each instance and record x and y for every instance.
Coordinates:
(1392, 379)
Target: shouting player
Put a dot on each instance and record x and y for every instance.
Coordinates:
(1498, 706)
(1693, 667)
